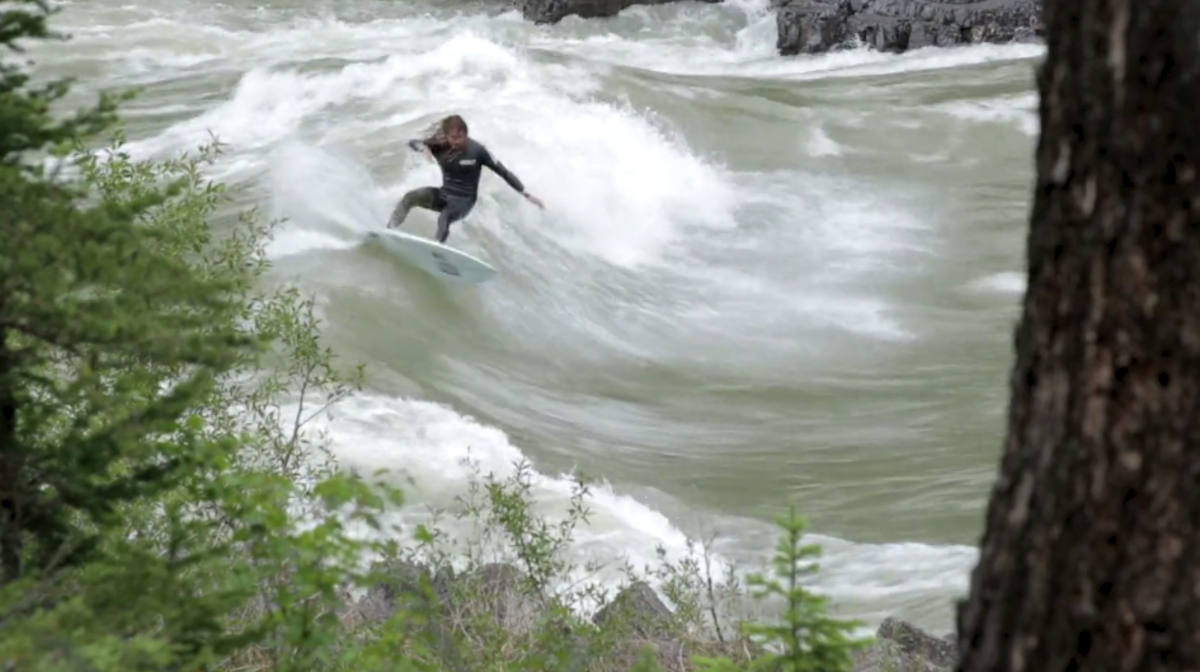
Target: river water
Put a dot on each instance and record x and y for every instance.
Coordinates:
(757, 278)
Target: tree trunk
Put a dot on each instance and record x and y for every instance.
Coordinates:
(1091, 555)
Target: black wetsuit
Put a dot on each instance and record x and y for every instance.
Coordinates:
(455, 199)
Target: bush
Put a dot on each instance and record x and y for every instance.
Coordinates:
(167, 504)
(508, 591)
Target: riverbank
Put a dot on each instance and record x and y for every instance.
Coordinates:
(511, 621)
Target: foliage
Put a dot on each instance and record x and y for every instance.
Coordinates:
(497, 524)
(806, 639)
(150, 483)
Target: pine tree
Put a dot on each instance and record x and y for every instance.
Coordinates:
(157, 512)
(91, 307)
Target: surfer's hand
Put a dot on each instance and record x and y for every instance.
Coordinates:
(535, 200)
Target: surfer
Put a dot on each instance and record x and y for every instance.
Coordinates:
(462, 160)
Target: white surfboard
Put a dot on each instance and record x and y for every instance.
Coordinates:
(440, 260)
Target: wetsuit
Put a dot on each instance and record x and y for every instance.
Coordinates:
(455, 199)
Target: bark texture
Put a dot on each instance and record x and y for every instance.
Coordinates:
(1091, 555)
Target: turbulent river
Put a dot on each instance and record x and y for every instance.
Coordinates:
(757, 278)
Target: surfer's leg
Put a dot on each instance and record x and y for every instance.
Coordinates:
(421, 197)
(456, 209)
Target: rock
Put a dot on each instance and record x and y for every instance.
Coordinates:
(553, 11)
(494, 590)
(403, 588)
(815, 26)
(941, 651)
(655, 631)
(903, 647)
(638, 605)
(501, 591)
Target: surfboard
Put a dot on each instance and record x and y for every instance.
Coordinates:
(442, 261)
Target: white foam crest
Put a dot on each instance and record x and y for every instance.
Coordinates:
(870, 575)
(144, 47)
(425, 444)
(695, 39)
(1007, 282)
(865, 315)
(175, 29)
(847, 228)
(815, 245)
(1019, 110)
(862, 62)
(270, 104)
(735, 297)
(327, 197)
(818, 144)
(616, 186)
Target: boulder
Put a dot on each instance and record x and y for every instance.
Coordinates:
(645, 625)
(903, 647)
(639, 606)
(500, 591)
(816, 26)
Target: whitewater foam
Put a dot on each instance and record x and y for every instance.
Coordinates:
(329, 201)
(1018, 110)
(1008, 282)
(426, 446)
(615, 184)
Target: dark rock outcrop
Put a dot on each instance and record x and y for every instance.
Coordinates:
(815, 26)
(640, 607)
(903, 647)
(553, 11)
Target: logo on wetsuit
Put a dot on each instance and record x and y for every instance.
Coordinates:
(467, 162)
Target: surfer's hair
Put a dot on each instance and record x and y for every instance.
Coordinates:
(454, 123)
(435, 133)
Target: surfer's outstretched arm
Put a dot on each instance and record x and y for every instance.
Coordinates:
(486, 158)
(507, 175)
